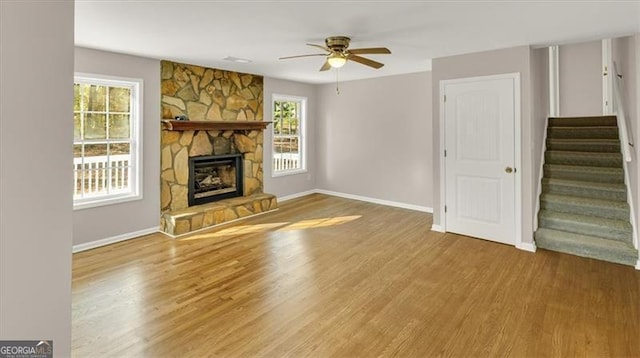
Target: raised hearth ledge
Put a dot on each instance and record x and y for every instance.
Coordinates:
(184, 221)
(173, 125)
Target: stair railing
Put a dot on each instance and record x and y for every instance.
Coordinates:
(623, 123)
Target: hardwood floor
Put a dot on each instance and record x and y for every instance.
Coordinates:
(326, 276)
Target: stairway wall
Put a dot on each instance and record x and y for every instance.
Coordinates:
(581, 79)
(539, 110)
(626, 54)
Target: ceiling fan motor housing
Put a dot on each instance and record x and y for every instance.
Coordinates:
(337, 43)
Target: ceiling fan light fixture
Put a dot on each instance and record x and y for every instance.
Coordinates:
(336, 60)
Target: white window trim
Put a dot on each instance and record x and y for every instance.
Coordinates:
(303, 136)
(135, 146)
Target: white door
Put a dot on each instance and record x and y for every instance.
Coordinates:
(479, 117)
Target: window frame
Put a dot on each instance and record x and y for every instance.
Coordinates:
(302, 123)
(135, 141)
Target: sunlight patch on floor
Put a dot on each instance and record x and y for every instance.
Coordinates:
(321, 222)
(236, 230)
(283, 226)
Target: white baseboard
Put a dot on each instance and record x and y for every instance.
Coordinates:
(376, 201)
(527, 246)
(112, 240)
(437, 228)
(638, 265)
(296, 195)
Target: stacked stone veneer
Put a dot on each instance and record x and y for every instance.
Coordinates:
(206, 94)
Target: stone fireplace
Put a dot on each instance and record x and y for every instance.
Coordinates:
(211, 164)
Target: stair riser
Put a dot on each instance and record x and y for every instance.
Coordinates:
(583, 122)
(583, 160)
(583, 133)
(584, 147)
(583, 192)
(614, 178)
(586, 251)
(585, 229)
(608, 213)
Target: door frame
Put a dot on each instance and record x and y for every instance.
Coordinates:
(515, 76)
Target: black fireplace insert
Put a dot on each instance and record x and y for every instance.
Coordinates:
(214, 177)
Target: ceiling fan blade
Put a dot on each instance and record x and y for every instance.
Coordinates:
(319, 46)
(370, 51)
(326, 66)
(365, 61)
(298, 56)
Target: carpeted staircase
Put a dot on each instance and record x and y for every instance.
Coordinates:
(583, 205)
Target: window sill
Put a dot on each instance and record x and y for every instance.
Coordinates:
(288, 172)
(98, 202)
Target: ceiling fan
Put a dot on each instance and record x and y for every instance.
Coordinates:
(338, 53)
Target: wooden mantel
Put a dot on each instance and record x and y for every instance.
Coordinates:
(173, 125)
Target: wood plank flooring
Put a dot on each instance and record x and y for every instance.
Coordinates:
(331, 277)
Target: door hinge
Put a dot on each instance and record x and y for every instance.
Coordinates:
(445, 208)
(445, 97)
(445, 152)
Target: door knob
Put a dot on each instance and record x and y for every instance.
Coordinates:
(509, 170)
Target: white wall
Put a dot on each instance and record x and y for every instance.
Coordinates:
(374, 138)
(511, 60)
(120, 219)
(36, 128)
(296, 183)
(581, 79)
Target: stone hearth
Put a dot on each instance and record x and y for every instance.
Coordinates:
(210, 96)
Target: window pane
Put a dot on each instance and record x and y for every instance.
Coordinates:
(119, 126)
(95, 97)
(293, 126)
(95, 150)
(76, 97)
(276, 125)
(119, 99)
(120, 178)
(77, 126)
(294, 145)
(119, 148)
(77, 151)
(278, 144)
(95, 126)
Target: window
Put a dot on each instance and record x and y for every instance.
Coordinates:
(288, 135)
(106, 140)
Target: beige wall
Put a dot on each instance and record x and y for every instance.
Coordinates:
(581, 79)
(122, 219)
(374, 138)
(539, 111)
(511, 60)
(36, 130)
(295, 183)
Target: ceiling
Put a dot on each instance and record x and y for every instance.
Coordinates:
(205, 32)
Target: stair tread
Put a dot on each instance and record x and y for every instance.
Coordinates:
(586, 128)
(585, 154)
(608, 116)
(578, 200)
(585, 140)
(585, 184)
(584, 168)
(586, 246)
(612, 224)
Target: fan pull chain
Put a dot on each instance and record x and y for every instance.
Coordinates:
(337, 81)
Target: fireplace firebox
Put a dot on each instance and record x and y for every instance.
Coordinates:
(214, 177)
